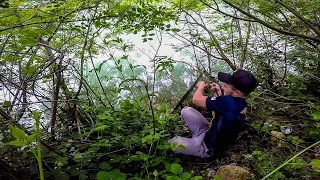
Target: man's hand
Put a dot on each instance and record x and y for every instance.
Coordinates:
(215, 88)
(201, 85)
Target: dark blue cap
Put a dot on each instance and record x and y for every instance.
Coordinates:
(242, 80)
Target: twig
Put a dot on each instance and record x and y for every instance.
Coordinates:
(87, 85)
(285, 62)
(95, 71)
(245, 48)
(226, 14)
(84, 48)
(154, 64)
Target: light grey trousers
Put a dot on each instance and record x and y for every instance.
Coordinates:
(198, 125)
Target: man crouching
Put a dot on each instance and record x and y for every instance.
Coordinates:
(209, 138)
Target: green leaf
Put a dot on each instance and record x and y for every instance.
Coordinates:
(102, 175)
(316, 115)
(17, 133)
(175, 30)
(196, 178)
(74, 171)
(173, 178)
(83, 177)
(143, 156)
(186, 175)
(105, 166)
(61, 161)
(102, 116)
(100, 128)
(78, 156)
(180, 146)
(143, 140)
(17, 143)
(32, 69)
(111, 175)
(31, 138)
(176, 168)
(115, 158)
(314, 132)
(155, 173)
(315, 163)
(6, 104)
(36, 116)
(174, 146)
(59, 174)
(277, 175)
(217, 177)
(168, 166)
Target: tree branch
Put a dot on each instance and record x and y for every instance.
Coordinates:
(84, 48)
(226, 14)
(317, 31)
(55, 97)
(272, 27)
(216, 42)
(100, 83)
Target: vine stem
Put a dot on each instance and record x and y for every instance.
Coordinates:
(285, 163)
(39, 158)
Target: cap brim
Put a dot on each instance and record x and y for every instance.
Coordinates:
(224, 77)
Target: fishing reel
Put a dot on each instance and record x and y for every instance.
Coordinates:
(208, 89)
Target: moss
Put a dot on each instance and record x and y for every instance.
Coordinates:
(231, 172)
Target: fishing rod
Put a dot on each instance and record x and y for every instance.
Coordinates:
(211, 78)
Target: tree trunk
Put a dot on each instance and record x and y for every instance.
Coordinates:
(55, 97)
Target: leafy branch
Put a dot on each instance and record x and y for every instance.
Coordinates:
(149, 98)
(270, 26)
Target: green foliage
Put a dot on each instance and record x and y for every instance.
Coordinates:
(114, 174)
(105, 166)
(217, 177)
(20, 135)
(315, 163)
(188, 4)
(129, 129)
(58, 174)
(295, 139)
(176, 168)
(146, 17)
(17, 133)
(23, 140)
(316, 115)
(6, 104)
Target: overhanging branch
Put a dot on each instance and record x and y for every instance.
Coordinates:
(272, 27)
